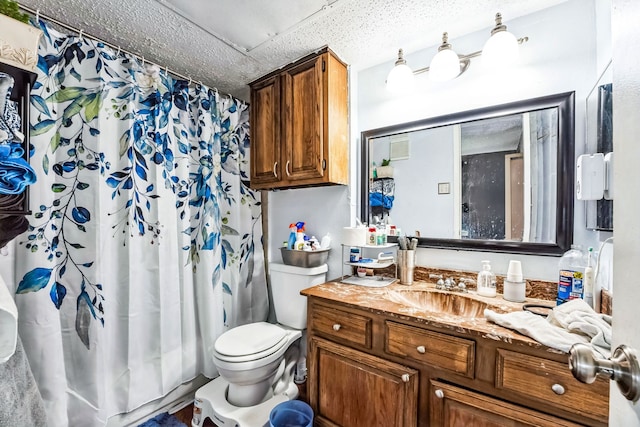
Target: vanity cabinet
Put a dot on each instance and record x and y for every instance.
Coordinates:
(368, 367)
(299, 129)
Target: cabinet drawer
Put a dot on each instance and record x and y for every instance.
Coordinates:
(435, 349)
(341, 326)
(551, 383)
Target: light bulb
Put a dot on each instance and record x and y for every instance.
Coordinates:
(446, 64)
(400, 78)
(502, 47)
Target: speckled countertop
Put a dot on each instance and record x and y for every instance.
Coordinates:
(393, 300)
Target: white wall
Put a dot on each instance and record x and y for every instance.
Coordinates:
(560, 56)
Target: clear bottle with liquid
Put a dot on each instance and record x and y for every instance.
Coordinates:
(486, 281)
(571, 275)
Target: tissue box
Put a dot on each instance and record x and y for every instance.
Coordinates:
(305, 259)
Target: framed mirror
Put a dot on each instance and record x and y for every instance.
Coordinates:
(497, 179)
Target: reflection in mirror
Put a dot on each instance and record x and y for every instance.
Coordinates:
(498, 179)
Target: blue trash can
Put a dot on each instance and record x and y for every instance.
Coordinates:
(294, 413)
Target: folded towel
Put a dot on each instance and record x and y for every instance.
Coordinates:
(8, 323)
(569, 323)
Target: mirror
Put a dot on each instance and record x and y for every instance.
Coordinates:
(496, 179)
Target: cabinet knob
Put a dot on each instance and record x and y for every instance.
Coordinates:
(421, 349)
(557, 389)
(275, 169)
(405, 378)
(286, 168)
(337, 326)
(439, 394)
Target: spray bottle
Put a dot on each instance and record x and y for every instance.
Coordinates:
(292, 236)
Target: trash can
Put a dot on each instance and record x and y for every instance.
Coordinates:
(293, 413)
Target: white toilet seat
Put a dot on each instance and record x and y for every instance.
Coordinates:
(252, 346)
(250, 342)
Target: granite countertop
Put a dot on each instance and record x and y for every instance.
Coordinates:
(385, 300)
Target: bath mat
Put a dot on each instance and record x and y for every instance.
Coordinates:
(163, 420)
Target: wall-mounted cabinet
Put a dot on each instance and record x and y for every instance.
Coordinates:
(299, 124)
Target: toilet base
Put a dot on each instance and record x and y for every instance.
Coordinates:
(211, 398)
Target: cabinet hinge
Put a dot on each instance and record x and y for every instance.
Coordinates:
(323, 65)
(324, 164)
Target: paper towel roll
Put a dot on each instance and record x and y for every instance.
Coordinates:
(354, 236)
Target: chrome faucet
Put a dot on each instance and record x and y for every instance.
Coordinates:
(449, 284)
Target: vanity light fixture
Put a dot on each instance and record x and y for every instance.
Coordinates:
(501, 49)
(400, 78)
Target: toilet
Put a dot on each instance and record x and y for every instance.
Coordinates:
(257, 361)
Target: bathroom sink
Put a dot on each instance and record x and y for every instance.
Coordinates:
(457, 304)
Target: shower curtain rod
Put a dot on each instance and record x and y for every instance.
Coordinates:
(80, 32)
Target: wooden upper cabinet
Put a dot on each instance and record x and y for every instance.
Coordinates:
(299, 128)
(265, 135)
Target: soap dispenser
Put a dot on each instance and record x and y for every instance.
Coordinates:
(486, 281)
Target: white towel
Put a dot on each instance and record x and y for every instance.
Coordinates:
(8, 323)
(569, 323)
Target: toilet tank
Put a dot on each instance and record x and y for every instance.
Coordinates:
(286, 283)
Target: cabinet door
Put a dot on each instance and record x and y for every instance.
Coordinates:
(265, 133)
(303, 121)
(454, 406)
(349, 388)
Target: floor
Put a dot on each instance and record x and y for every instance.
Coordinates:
(186, 413)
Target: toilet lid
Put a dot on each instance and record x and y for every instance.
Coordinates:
(250, 339)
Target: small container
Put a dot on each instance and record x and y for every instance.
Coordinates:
(515, 288)
(381, 237)
(371, 236)
(361, 271)
(354, 255)
(486, 281)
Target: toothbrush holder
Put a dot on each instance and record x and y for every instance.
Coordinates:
(406, 265)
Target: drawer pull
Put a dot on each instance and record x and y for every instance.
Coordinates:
(337, 326)
(421, 349)
(405, 378)
(275, 172)
(439, 394)
(557, 389)
(286, 168)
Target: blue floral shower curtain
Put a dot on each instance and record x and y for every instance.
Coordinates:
(144, 244)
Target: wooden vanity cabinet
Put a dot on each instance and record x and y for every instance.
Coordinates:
(299, 124)
(370, 368)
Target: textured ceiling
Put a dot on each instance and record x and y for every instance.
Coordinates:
(178, 34)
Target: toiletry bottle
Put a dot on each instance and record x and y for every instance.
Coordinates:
(589, 279)
(486, 281)
(371, 236)
(292, 236)
(571, 276)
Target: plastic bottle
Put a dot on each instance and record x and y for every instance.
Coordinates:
(371, 236)
(292, 236)
(571, 276)
(589, 279)
(486, 281)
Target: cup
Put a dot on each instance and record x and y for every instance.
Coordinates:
(406, 265)
(514, 273)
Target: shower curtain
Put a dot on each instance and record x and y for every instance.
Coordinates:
(144, 243)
